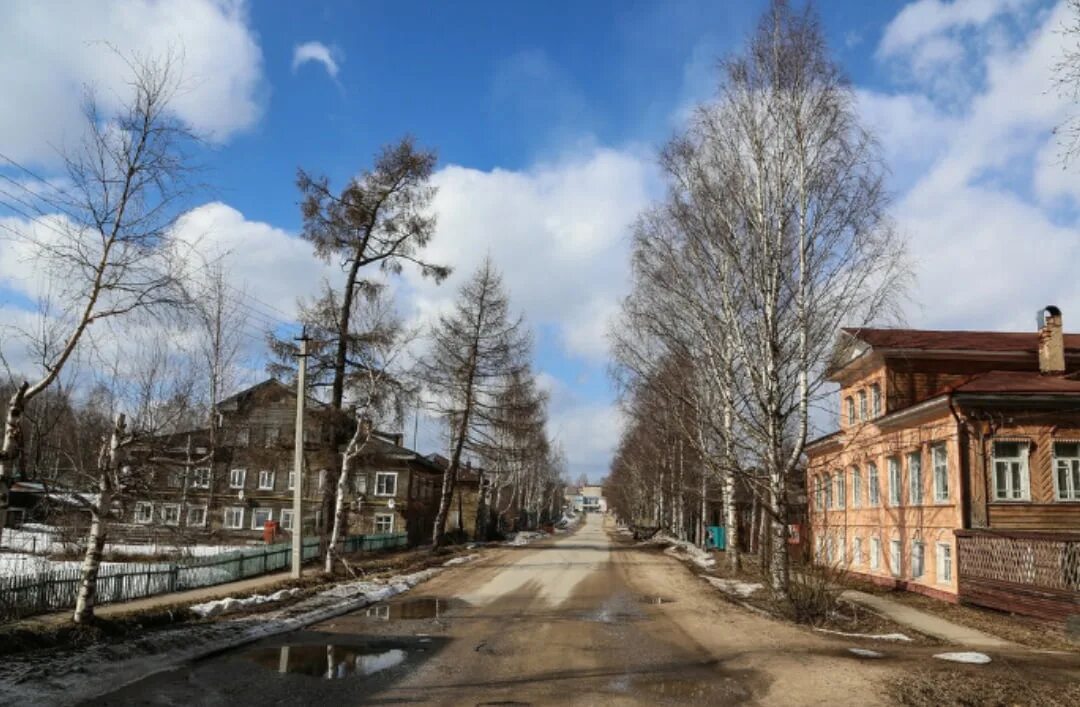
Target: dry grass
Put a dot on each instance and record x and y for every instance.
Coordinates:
(958, 688)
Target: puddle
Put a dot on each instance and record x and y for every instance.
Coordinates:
(332, 662)
(679, 689)
(645, 599)
(411, 609)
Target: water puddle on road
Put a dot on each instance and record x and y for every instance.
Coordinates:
(332, 662)
(646, 599)
(411, 609)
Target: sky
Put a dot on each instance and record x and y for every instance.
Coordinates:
(547, 118)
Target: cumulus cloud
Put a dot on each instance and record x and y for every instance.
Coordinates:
(991, 216)
(50, 51)
(318, 53)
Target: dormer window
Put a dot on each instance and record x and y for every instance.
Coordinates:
(862, 405)
(851, 410)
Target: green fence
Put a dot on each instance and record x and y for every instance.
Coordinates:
(41, 590)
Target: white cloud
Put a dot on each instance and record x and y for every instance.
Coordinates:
(50, 51)
(318, 53)
(926, 21)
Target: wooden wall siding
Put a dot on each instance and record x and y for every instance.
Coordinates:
(1035, 516)
(912, 380)
(1033, 574)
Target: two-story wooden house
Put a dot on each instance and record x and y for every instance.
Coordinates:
(231, 490)
(956, 468)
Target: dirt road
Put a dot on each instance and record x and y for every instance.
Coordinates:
(579, 620)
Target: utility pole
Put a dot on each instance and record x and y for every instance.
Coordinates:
(298, 459)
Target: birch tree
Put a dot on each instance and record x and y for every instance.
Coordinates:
(474, 352)
(110, 251)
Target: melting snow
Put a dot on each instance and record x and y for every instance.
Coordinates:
(874, 636)
(734, 586)
(965, 657)
(459, 560)
(683, 550)
(866, 653)
(230, 605)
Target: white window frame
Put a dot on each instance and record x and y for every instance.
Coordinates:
(864, 409)
(856, 550)
(1022, 469)
(875, 553)
(266, 480)
(918, 559)
(165, 508)
(828, 491)
(914, 475)
(819, 492)
(291, 481)
(286, 519)
(238, 523)
(841, 489)
(379, 475)
(856, 487)
(873, 485)
(944, 569)
(875, 398)
(360, 483)
(322, 478)
(235, 474)
(200, 524)
(851, 410)
(939, 459)
(144, 512)
(896, 555)
(255, 514)
(378, 517)
(1070, 467)
(895, 481)
(200, 478)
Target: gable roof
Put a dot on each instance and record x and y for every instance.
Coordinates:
(974, 341)
(1019, 383)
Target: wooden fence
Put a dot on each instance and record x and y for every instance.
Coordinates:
(1031, 573)
(53, 589)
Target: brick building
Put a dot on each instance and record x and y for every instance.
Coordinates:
(956, 468)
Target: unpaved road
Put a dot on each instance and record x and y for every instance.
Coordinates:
(571, 621)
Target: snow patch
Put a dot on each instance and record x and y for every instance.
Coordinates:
(459, 560)
(230, 605)
(734, 586)
(866, 653)
(873, 636)
(683, 550)
(524, 538)
(965, 657)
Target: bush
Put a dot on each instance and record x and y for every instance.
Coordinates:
(813, 593)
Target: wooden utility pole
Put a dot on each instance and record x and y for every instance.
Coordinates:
(298, 460)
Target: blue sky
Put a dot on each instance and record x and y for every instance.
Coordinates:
(547, 117)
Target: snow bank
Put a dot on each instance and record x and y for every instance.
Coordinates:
(78, 675)
(524, 537)
(734, 586)
(873, 636)
(230, 605)
(965, 657)
(683, 550)
(459, 560)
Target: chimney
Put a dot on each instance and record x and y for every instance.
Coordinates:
(1051, 342)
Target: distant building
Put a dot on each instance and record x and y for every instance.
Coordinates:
(956, 468)
(592, 499)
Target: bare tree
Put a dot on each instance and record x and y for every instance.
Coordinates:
(474, 352)
(382, 220)
(111, 253)
(1067, 80)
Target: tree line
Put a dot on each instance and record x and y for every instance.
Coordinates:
(773, 234)
(140, 334)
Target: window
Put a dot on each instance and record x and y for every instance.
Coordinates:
(940, 458)
(856, 487)
(384, 522)
(819, 493)
(1067, 470)
(286, 519)
(144, 512)
(386, 483)
(917, 556)
(1011, 471)
(176, 479)
(196, 516)
(863, 412)
(201, 478)
(851, 410)
(944, 563)
(270, 436)
(292, 480)
(873, 490)
(322, 478)
(236, 478)
(828, 491)
(243, 437)
(856, 551)
(914, 470)
(895, 552)
(170, 513)
(840, 489)
(260, 517)
(266, 480)
(830, 552)
(234, 517)
(819, 552)
(894, 481)
(875, 553)
(875, 399)
(360, 482)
